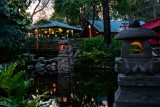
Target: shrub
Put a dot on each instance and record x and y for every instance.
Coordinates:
(93, 52)
(92, 43)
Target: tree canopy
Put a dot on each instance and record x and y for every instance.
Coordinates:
(13, 26)
(74, 11)
(143, 9)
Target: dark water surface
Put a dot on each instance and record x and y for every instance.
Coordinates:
(76, 90)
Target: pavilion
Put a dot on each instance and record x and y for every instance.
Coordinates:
(54, 29)
(48, 34)
(97, 27)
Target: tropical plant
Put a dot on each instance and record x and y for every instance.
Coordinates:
(13, 87)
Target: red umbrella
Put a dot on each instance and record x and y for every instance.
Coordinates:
(154, 25)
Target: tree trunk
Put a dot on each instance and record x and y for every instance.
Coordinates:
(93, 18)
(106, 22)
(154, 8)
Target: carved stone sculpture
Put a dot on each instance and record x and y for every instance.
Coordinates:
(138, 71)
(141, 63)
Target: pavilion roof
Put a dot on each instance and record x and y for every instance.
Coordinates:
(47, 24)
(115, 25)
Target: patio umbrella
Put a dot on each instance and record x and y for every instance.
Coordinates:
(154, 25)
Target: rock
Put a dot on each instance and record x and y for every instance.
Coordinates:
(51, 60)
(53, 68)
(41, 59)
(48, 66)
(29, 67)
(53, 63)
(39, 66)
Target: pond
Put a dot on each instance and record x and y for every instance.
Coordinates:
(85, 89)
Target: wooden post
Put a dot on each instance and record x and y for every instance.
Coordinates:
(90, 33)
(37, 38)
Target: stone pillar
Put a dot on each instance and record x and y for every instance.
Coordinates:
(63, 63)
(138, 91)
(64, 56)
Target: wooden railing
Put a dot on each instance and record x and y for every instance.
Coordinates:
(43, 45)
(47, 48)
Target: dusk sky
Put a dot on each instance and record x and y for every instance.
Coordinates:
(46, 13)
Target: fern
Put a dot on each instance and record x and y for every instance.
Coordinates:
(8, 81)
(14, 84)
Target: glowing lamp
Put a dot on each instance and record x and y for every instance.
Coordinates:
(60, 30)
(51, 92)
(45, 31)
(52, 33)
(54, 85)
(36, 30)
(63, 46)
(54, 90)
(67, 31)
(64, 99)
(37, 91)
(72, 32)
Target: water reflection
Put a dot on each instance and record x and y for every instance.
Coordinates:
(45, 84)
(95, 88)
(76, 90)
(57, 86)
